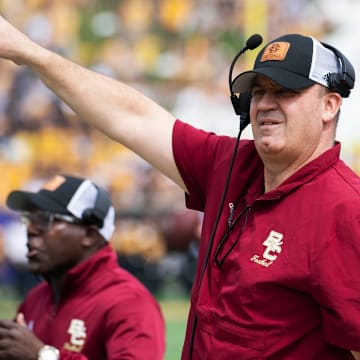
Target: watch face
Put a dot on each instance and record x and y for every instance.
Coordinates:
(48, 353)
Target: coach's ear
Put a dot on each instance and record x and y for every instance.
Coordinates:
(332, 103)
(93, 238)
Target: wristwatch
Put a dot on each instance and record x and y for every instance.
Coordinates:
(48, 353)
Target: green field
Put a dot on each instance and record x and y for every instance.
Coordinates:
(175, 313)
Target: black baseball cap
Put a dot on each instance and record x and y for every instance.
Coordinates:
(64, 194)
(293, 61)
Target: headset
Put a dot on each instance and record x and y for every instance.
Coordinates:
(241, 106)
(241, 103)
(97, 214)
(344, 81)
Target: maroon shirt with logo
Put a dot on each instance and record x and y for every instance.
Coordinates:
(103, 313)
(284, 283)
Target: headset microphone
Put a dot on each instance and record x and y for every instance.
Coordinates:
(241, 103)
(241, 106)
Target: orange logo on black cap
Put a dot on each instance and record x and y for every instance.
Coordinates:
(276, 51)
(54, 183)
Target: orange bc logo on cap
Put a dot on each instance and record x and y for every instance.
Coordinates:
(276, 51)
(54, 183)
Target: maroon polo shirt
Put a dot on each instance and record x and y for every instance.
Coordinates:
(285, 283)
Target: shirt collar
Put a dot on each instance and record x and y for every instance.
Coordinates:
(303, 175)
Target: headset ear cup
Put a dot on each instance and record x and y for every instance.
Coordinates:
(245, 100)
(236, 104)
(344, 81)
(334, 81)
(338, 85)
(241, 104)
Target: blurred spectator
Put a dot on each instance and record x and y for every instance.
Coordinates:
(181, 230)
(140, 248)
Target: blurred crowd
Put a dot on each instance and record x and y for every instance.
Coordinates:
(176, 51)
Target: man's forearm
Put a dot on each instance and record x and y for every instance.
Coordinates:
(356, 355)
(116, 109)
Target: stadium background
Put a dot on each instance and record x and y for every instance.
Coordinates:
(176, 51)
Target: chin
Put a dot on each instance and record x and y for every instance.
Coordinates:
(268, 147)
(36, 268)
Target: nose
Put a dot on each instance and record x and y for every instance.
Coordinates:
(34, 239)
(34, 234)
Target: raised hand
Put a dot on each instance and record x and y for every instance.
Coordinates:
(15, 45)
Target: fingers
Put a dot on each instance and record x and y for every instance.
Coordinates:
(20, 319)
(6, 324)
(7, 327)
(9, 324)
